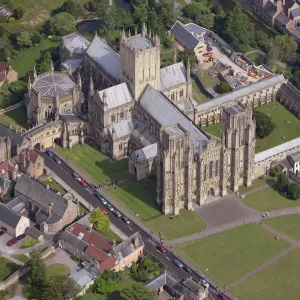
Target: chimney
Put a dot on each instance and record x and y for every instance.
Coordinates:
(50, 209)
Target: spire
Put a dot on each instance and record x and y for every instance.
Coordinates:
(123, 36)
(188, 71)
(29, 85)
(150, 34)
(144, 29)
(91, 88)
(79, 81)
(157, 41)
(34, 72)
(51, 66)
(129, 34)
(175, 55)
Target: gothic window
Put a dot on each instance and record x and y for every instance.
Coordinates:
(120, 147)
(48, 112)
(122, 114)
(66, 108)
(205, 169)
(173, 96)
(210, 169)
(217, 168)
(53, 131)
(181, 93)
(113, 118)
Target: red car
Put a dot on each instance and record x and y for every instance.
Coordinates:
(207, 54)
(83, 183)
(12, 242)
(223, 296)
(162, 249)
(103, 210)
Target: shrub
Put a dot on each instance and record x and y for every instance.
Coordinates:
(294, 191)
(30, 242)
(11, 20)
(18, 87)
(74, 258)
(264, 124)
(224, 87)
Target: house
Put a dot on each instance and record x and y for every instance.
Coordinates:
(51, 211)
(177, 287)
(12, 222)
(4, 13)
(7, 73)
(84, 279)
(90, 246)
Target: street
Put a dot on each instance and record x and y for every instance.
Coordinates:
(65, 173)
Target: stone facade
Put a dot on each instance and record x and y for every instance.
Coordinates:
(5, 148)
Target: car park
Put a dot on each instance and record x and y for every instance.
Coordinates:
(178, 263)
(125, 220)
(162, 249)
(109, 206)
(117, 213)
(49, 153)
(12, 242)
(103, 210)
(21, 236)
(57, 160)
(187, 269)
(204, 282)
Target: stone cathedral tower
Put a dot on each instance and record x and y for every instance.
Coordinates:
(140, 61)
(238, 140)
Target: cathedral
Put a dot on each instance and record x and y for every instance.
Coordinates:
(133, 108)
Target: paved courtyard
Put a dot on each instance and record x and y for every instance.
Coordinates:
(62, 257)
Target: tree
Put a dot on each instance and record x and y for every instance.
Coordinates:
(294, 191)
(45, 63)
(282, 182)
(264, 124)
(37, 273)
(60, 288)
(238, 29)
(7, 50)
(18, 87)
(106, 283)
(18, 13)
(140, 14)
(155, 23)
(137, 291)
(275, 171)
(100, 221)
(62, 24)
(262, 39)
(72, 7)
(24, 39)
(224, 87)
(36, 37)
(188, 53)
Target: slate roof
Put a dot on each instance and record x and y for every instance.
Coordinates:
(116, 95)
(172, 75)
(140, 43)
(183, 35)
(278, 149)
(16, 138)
(291, 92)
(146, 152)
(167, 114)
(74, 241)
(296, 34)
(52, 84)
(75, 43)
(234, 109)
(296, 157)
(270, 9)
(30, 188)
(9, 216)
(282, 19)
(71, 118)
(252, 88)
(105, 56)
(82, 277)
(5, 183)
(196, 29)
(72, 63)
(295, 12)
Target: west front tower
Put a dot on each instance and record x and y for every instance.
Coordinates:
(140, 61)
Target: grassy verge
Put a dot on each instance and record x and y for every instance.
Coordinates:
(197, 94)
(21, 257)
(30, 242)
(16, 118)
(214, 129)
(257, 183)
(7, 267)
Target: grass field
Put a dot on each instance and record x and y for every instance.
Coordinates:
(22, 258)
(290, 225)
(214, 129)
(280, 116)
(229, 255)
(205, 78)
(257, 58)
(54, 185)
(29, 57)
(58, 270)
(166, 56)
(16, 118)
(7, 267)
(278, 281)
(197, 94)
(269, 199)
(94, 164)
(256, 183)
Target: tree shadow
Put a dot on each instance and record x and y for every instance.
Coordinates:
(270, 182)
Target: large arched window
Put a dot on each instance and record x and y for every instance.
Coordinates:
(66, 108)
(113, 118)
(48, 113)
(122, 114)
(205, 170)
(217, 168)
(210, 169)
(181, 93)
(173, 96)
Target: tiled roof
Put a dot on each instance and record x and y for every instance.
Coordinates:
(296, 33)
(282, 19)
(146, 152)
(184, 36)
(270, 9)
(9, 216)
(295, 12)
(16, 138)
(105, 56)
(172, 75)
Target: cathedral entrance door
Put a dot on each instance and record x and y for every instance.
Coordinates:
(211, 192)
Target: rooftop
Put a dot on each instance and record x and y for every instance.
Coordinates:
(234, 109)
(52, 84)
(75, 43)
(9, 216)
(172, 75)
(146, 152)
(140, 43)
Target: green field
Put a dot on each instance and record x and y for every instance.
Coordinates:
(22, 258)
(16, 118)
(278, 281)
(289, 224)
(280, 116)
(256, 183)
(197, 93)
(166, 56)
(229, 255)
(269, 199)
(29, 57)
(112, 236)
(94, 164)
(58, 270)
(214, 129)
(205, 78)
(7, 267)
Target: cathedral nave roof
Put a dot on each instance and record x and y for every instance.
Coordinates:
(172, 75)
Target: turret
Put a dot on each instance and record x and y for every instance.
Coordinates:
(91, 87)
(34, 72)
(29, 87)
(113, 134)
(175, 55)
(144, 29)
(51, 66)
(188, 71)
(57, 106)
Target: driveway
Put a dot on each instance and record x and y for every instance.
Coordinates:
(4, 239)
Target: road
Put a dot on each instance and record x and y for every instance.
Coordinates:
(65, 173)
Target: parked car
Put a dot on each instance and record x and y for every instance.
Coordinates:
(83, 183)
(223, 296)
(187, 269)
(75, 175)
(1, 233)
(21, 236)
(162, 249)
(12, 242)
(125, 220)
(103, 210)
(117, 213)
(57, 160)
(103, 200)
(49, 153)
(178, 263)
(204, 282)
(109, 206)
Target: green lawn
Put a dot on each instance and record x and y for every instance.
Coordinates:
(280, 116)
(29, 57)
(16, 118)
(30, 242)
(166, 56)
(197, 94)
(290, 225)
(7, 267)
(54, 185)
(214, 129)
(229, 255)
(21, 257)
(138, 198)
(94, 164)
(186, 223)
(269, 199)
(278, 281)
(205, 78)
(257, 58)
(256, 183)
(113, 236)
(58, 270)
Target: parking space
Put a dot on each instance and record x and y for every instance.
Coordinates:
(5, 238)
